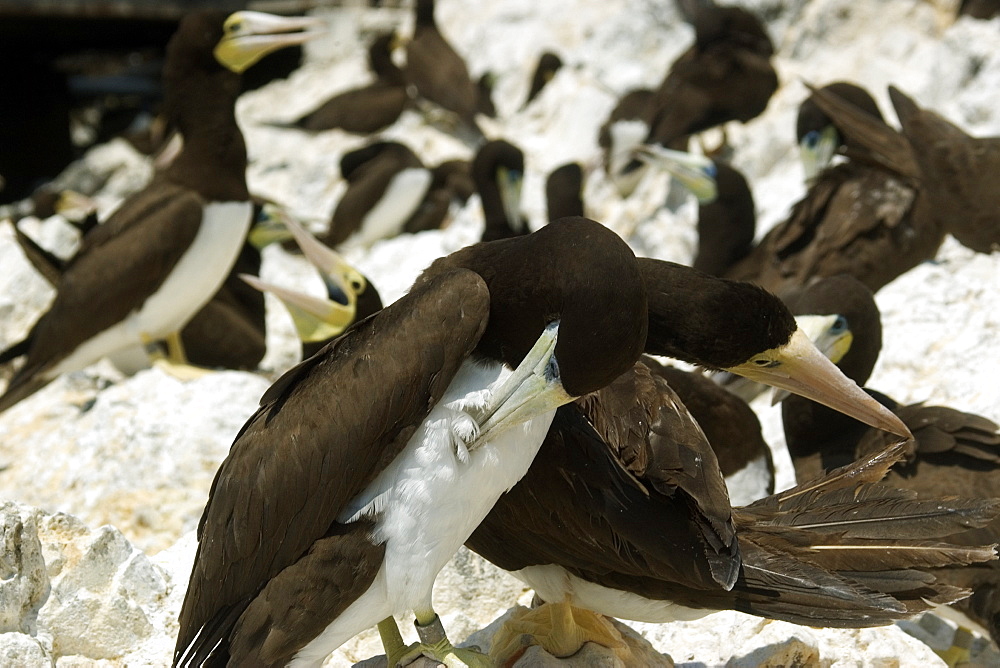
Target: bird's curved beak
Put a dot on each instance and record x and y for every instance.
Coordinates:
(801, 368)
(248, 36)
(816, 150)
(533, 389)
(830, 335)
(315, 319)
(695, 172)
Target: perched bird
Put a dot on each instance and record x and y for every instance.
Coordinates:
(161, 256)
(564, 191)
(437, 72)
(367, 109)
(545, 70)
(953, 168)
(979, 9)
(498, 171)
(350, 296)
(386, 183)
(624, 510)
(725, 76)
(818, 137)
(374, 460)
(953, 452)
(619, 136)
(451, 181)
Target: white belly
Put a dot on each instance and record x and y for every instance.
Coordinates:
(555, 584)
(401, 198)
(429, 501)
(195, 279)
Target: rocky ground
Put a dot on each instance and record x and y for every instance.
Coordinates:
(104, 476)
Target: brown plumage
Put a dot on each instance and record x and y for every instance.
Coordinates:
(451, 182)
(370, 172)
(546, 68)
(953, 452)
(281, 554)
(727, 224)
(626, 494)
(437, 72)
(868, 217)
(367, 109)
(564, 191)
(725, 76)
(498, 171)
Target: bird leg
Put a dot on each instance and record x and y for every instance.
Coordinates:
(435, 645)
(174, 362)
(558, 628)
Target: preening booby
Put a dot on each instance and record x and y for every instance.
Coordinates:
(369, 464)
(164, 253)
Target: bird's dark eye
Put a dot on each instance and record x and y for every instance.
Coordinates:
(235, 27)
(839, 325)
(356, 285)
(812, 138)
(766, 363)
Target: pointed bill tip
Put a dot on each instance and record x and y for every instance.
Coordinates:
(802, 369)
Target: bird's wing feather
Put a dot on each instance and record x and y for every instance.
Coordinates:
(323, 431)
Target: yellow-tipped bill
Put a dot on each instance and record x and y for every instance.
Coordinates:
(533, 389)
(343, 282)
(695, 172)
(830, 335)
(249, 36)
(802, 369)
(315, 319)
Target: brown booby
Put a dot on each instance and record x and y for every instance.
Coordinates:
(866, 216)
(545, 70)
(955, 171)
(162, 255)
(624, 511)
(725, 76)
(367, 109)
(818, 136)
(498, 171)
(437, 72)
(369, 464)
(564, 191)
(623, 131)
(451, 181)
(953, 452)
(350, 296)
(386, 183)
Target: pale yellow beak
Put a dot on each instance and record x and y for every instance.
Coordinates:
(249, 36)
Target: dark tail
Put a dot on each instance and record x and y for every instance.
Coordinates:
(844, 550)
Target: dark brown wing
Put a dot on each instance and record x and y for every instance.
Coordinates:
(323, 432)
(856, 219)
(108, 280)
(440, 74)
(633, 491)
(360, 110)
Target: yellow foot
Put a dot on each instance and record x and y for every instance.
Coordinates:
(958, 653)
(183, 372)
(560, 629)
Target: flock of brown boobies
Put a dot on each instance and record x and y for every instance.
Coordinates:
(507, 401)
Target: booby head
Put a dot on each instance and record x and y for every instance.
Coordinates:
(349, 295)
(567, 312)
(695, 172)
(248, 36)
(819, 139)
(755, 336)
(498, 170)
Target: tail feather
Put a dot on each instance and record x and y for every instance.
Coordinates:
(846, 551)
